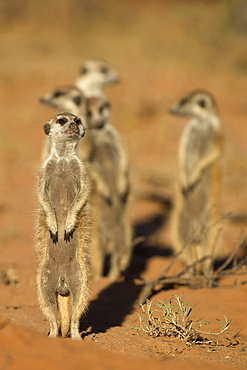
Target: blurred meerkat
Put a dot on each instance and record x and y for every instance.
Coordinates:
(63, 229)
(196, 201)
(108, 167)
(94, 74)
(66, 99)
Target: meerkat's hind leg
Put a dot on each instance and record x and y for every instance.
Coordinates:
(47, 299)
(79, 296)
(115, 267)
(54, 331)
(48, 305)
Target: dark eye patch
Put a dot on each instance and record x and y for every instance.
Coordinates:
(202, 103)
(77, 120)
(184, 100)
(101, 108)
(62, 121)
(77, 100)
(104, 70)
(58, 93)
(84, 70)
(106, 105)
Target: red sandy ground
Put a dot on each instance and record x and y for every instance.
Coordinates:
(148, 44)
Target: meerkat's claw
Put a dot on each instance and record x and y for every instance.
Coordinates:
(68, 236)
(124, 196)
(190, 188)
(54, 237)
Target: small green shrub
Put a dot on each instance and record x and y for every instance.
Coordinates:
(172, 319)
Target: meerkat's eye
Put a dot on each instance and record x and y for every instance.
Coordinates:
(77, 120)
(77, 100)
(57, 94)
(184, 100)
(101, 108)
(84, 70)
(62, 121)
(104, 70)
(202, 103)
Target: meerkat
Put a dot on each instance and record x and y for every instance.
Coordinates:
(109, 169)
(107, 164)
(94, 74)
(66, 99)
(196, 201)
(63, 229)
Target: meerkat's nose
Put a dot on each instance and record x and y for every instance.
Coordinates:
(73, 125)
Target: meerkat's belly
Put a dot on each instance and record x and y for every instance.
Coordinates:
(106, 163)
(195, 211)
(62, 191)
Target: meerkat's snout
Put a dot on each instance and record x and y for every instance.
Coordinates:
(73, 127)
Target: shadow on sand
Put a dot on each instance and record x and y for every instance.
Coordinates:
(118, 300)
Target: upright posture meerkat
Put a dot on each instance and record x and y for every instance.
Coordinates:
(108, 167)
(63, 229)
(94, 74)
(196, 202)
(107, 164)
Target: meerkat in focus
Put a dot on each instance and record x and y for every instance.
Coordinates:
(94, 74)
(196, 201)
(63, 229)
(108, 167)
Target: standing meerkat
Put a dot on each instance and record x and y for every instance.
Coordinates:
(94, 74)
(107, 165)
(109, 169)
(196, 201)
(63, 229)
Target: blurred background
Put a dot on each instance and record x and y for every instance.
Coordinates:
(161, 49)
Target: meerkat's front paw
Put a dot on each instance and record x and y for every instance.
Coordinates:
(190, 188)
(54, 237)
(52, 226)
(69, 229)
(68, 235)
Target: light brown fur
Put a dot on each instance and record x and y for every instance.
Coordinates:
(63, 229)
(196, 202)
(106, 160)
(94, 75)
(108, 166)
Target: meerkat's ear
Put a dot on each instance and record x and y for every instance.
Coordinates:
(47, 128)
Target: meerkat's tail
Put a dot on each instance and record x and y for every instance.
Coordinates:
(63, 303)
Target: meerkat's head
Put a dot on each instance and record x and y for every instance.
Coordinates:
(198, 103)
(95, 73)
(65, 127)
(66, 98)
(98, 111)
